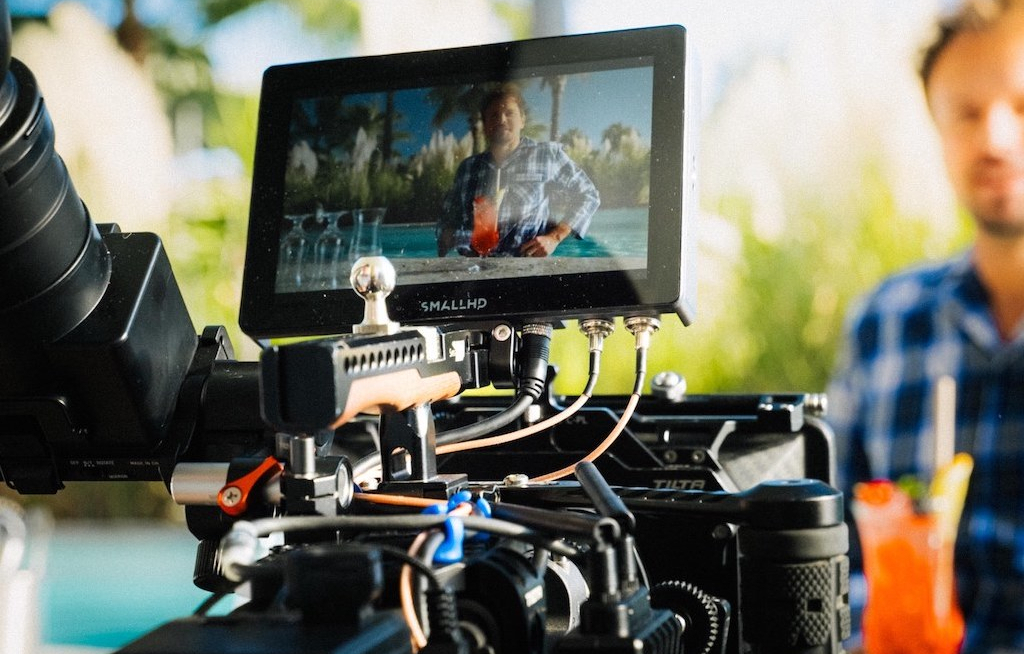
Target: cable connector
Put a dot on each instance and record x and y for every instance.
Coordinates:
(238, 549)
(533, 366)
(539, 328)
(597, 329)
(642, 327)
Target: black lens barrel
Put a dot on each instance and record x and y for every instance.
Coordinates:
(54, 267)
(5, 38)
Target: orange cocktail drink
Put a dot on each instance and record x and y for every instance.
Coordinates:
(908, 562)
(485, 235)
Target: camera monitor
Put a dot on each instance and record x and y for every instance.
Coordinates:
(541, 179)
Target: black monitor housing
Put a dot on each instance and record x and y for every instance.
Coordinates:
(355, 156)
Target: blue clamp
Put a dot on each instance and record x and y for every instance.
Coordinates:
(451, 549)
(481, 507)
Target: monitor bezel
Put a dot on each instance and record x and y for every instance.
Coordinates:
(661, 288)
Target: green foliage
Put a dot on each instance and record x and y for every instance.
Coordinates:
(217, 10)
(436, 176)
(343, 186)
(517, 16)
(206, 245)
(330, 17)
(180, 71)
(319, 16)
(621, 168)
(624, 178)
(231, 123)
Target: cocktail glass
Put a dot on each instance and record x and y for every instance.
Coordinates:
(908, 563)
(485, 235)
(366, 237)
(293, 250)
(332, 250)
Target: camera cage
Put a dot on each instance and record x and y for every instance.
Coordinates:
(198, 420)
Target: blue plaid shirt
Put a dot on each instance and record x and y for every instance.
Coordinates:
(916, 327)
(532, 178)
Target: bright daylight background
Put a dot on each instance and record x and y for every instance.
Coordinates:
(819, 174)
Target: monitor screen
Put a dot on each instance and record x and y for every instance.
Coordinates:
(526, 180)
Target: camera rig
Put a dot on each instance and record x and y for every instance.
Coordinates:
(331, 483)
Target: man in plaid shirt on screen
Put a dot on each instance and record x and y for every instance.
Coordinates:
(961, 318)
(520, 177)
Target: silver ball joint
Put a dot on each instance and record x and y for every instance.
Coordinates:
(374, 278)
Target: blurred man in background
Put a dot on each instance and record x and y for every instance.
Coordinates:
(961, 318)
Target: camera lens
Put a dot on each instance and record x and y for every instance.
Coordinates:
(54, 267)
(5, 38)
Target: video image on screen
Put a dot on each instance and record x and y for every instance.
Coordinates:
(538, 174)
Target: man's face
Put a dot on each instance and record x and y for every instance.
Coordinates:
(976, 95)
(503, 122)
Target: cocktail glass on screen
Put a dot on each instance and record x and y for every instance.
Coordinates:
(485, 226)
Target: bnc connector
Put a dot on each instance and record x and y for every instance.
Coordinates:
(641, 327)
(596, 330)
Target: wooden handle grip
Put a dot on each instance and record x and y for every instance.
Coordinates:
(397, 391)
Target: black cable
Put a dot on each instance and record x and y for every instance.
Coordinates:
(534, 355)
(641, 371)
(426, 556)
(265, 526)
(595, 372)
(208, 604)
(390, 550)
(405, 557)
(538, 427)
(488, 425)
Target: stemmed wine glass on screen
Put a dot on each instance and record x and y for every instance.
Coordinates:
(293, 249)
(332, 250)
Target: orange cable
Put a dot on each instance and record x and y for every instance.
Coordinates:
(516, 435)
(397, 500)
(418, 637)
(603, 446)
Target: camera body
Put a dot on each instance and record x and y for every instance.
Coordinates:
(318, 481)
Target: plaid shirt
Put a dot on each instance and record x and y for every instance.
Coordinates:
(533, 176)
(918, 326)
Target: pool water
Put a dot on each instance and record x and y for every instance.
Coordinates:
(305, 262)
(107, 584)
(618, 233)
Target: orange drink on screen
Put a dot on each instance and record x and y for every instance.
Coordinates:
(485, 226)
